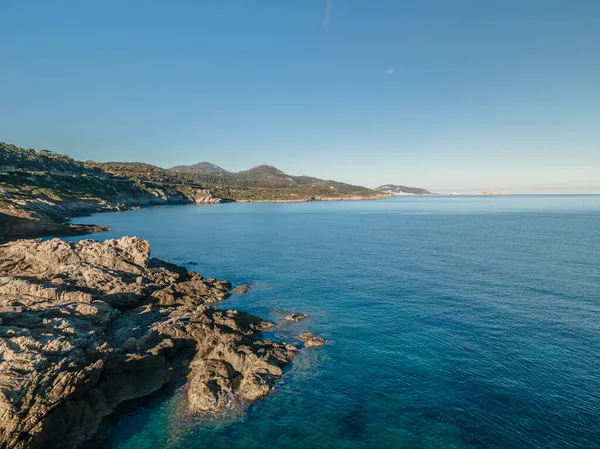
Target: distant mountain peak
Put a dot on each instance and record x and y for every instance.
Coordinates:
(266, 169)
(205, 167)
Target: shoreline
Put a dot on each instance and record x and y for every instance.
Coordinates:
(316, 200)
(21, 223)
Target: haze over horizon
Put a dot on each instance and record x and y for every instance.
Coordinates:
(449, 96)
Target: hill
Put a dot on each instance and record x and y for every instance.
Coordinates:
(39, 190)
(205, 167)
(267, 183)
(394, 189)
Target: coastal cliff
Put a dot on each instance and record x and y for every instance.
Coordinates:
(86, 326)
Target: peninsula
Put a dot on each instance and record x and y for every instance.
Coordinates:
(393, 189)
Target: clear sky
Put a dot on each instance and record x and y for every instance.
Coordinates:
(446, 95)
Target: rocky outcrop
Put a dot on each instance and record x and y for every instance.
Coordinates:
(86, 326)
(296, 317)
(243, 289)
(311, 340)
(204, 196)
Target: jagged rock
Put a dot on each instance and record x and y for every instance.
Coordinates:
(311, 340)
(243, 289)
(85, 326)
(296, 317)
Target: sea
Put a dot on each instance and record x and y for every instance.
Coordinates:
(451, 322)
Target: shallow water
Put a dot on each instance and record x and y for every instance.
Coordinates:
(452, 322)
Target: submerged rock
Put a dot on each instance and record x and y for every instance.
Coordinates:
(85, 326)
(296, 317)
(311, 340)
(243, 289)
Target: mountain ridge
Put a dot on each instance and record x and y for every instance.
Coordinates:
(268, 183)
(206, 167)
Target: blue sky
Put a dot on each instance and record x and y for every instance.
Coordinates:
(447, 95)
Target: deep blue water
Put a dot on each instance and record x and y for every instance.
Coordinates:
(454, 322)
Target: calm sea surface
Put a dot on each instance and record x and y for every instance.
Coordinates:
(453, 322)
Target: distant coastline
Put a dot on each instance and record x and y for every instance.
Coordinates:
(40, 191)
(316, 200)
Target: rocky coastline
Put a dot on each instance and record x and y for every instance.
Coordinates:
(87, 326)
(39, 216)
(41, 191)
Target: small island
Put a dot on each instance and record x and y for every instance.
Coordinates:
(495, 192)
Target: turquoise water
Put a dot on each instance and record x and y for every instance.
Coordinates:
(454, 322)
